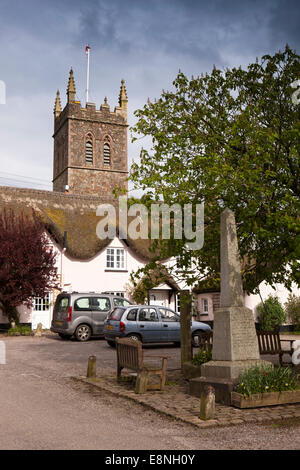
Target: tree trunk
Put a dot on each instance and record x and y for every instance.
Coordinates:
(185, 327)
(10, 312)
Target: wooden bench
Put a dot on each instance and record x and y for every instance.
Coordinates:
(205, 340)
(269, 342)
(130, 356)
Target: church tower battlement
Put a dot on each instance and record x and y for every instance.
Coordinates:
(90, 145)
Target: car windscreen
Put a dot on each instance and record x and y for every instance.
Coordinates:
(116, 314)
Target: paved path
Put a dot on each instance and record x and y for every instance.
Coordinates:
(176, 403)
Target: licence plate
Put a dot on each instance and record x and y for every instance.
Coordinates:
(109, 327)
(59, 323)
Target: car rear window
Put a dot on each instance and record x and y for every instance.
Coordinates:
(62, 304)
(116, 314)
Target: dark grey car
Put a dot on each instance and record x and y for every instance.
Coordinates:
(83, 314)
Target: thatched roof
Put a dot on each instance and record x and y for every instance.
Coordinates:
(153, 278)
(157, 276)
(73, 214)
(207, 285)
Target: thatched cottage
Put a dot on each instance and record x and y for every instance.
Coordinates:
(90, 159)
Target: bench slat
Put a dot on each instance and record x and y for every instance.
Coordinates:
(269, 342)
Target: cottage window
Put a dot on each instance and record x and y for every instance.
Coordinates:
(205, 306)
(177, 303)
(115, 258)
(41, 304)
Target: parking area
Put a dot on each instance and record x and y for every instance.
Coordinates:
(41, 404)
(69, 357)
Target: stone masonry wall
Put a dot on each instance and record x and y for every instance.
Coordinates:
(72, 127)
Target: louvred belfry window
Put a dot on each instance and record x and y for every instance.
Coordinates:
(106, 154)
(88, 152)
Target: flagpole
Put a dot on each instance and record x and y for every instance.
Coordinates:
(87, 50)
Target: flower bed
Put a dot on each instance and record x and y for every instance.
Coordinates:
(265, 386)
(265, 399)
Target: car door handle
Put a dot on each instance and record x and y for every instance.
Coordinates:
(142, 326)
(166, 326)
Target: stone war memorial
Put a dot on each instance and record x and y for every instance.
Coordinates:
(235, 345)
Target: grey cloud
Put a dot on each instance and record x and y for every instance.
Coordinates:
(285, 24)
(145, 42)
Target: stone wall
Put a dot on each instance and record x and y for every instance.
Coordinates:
(72, 128)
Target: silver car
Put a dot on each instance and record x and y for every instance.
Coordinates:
(147, 323)
(83, 314)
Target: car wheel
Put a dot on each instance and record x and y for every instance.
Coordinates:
(112, 344)
(83, 333)
(135, 337)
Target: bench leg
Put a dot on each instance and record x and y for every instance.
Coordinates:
(119, 371)
(163, 374)
(141, 382)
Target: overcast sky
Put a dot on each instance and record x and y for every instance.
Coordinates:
(144, 42)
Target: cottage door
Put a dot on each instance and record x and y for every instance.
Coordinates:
(42, 312)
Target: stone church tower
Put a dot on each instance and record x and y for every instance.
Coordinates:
(90, 145)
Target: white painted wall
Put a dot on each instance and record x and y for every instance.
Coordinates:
(210, 315)
(252, 301)
(92, 275)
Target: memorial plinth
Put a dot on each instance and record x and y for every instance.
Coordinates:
(235, 345)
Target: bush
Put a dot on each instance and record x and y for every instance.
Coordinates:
(22, 330)
(264, 379)
(292, 308)
(271, 314)
(201, 357)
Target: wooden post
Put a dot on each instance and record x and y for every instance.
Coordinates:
(141, 382)
(207, 403)
(91, 369)
(185, 327)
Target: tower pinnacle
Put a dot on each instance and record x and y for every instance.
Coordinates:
(57, 105)
(123, 99)
(71, 90)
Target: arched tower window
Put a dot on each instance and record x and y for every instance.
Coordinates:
(89, 150)
(106, 154)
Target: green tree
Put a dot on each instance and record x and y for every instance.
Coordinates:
(230, 139)
(271, 314)
(292, 308)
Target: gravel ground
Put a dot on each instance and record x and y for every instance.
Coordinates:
(42, 408)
